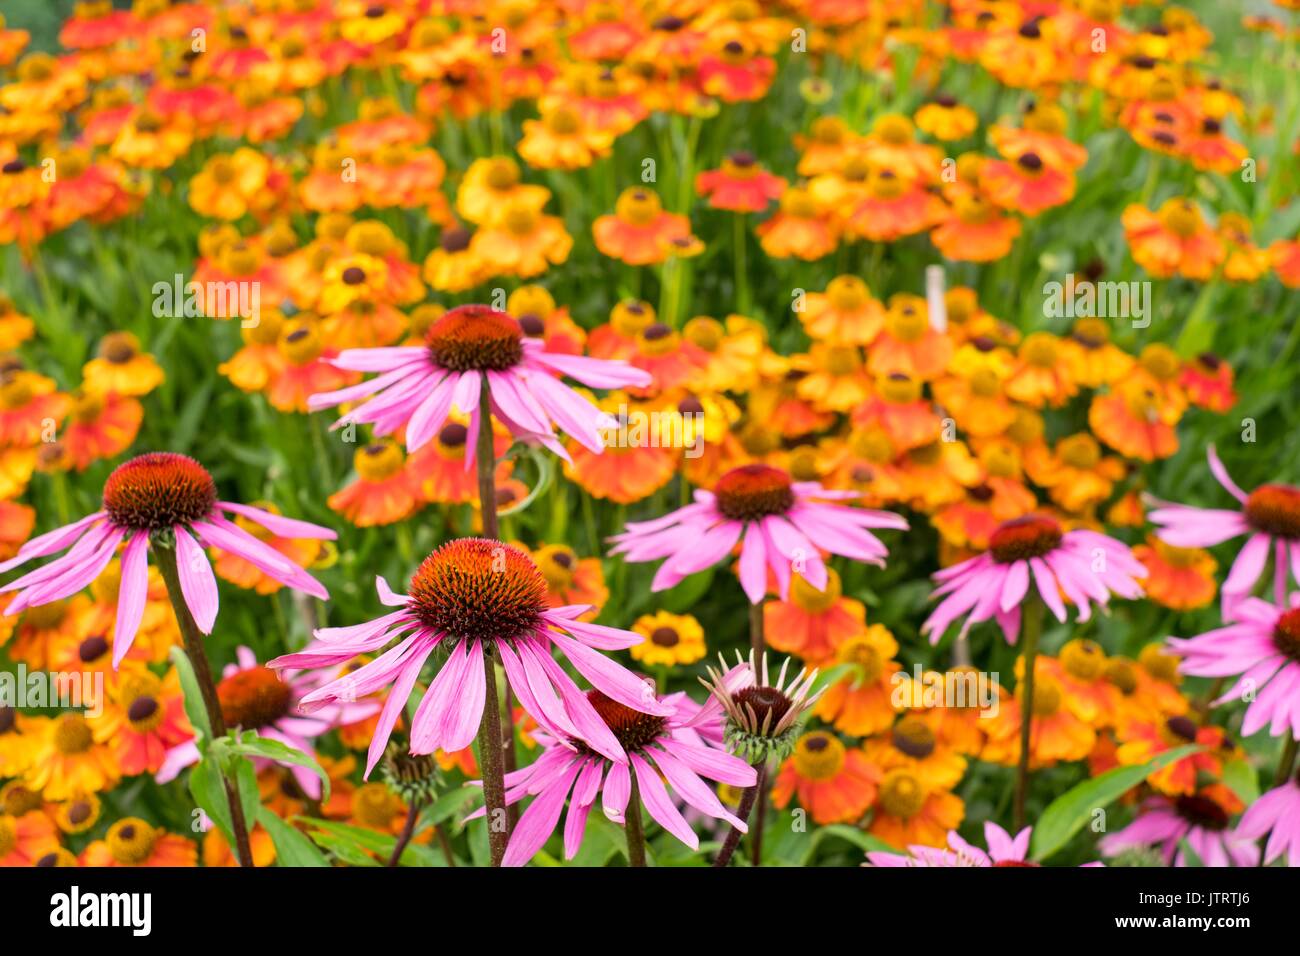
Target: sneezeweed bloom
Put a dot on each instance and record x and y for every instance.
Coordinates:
(26, 839)
(468, 348)
(1202, 819)
(471, 598)
(762, 717)
(1261, 644)
(1270, 515)
(133, 842)
(666, 746)
(1033, 552)
(158, 496)
(670, 639)
(739, 185)
(67, 761)
(834, 783)
(781, 525)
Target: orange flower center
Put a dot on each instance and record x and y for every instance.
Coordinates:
(639, 207)
(907, 323)
(1275, 509)
(1083, 659)
(847, 293)
(1080, 451)
(159, 490)
(1047, 698)
(478, 589)
(1040, 350)
(810, 599)
(753, 491)
(475, 337)
(253, 698)
(1023, 538)
(900, 388)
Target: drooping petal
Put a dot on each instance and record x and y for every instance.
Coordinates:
(198, 584)
(132, 594)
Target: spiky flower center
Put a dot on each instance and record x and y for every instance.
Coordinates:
(253, 697)
(471, 337)
(631, 728)
(753, 491)
(765, 706)
(1202, 812)
(818, 756)
(479, 589)
(1286, 634)
(1023, 538)
(159, 490)
(1275, 509)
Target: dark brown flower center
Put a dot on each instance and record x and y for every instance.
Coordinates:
(767, 704)
(753, 491)
(1286, 634)
(475, 337)
(1202, 812)
(665, 637)
(1182, 727)
(453, 435)
(92, 649)
(631, 728)
(1023, 538)
(913, 736)
(159, 490)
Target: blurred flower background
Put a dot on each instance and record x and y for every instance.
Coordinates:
(948, 349)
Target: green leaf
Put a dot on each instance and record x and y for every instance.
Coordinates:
(292, 847)
(1242, 780)
(842, 831)
(209, 793)
(450, 803)
(252, 745)
(355, 844)
(194, 708)
(688, 592)
(1068, 813)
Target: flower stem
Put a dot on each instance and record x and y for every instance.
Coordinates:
(492, 760)
(408, 831)
(747, 799)
(760, 815)
(738, 240)
(1287, 762)
(634, 830)
(485, 462)
(165, 558)
(1029, 632)
(756, 627)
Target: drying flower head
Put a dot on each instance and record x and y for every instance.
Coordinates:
(762, 715)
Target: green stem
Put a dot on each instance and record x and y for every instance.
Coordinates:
(738, 255)
(756, 637)
(1030, 630)
(492, 758)
(165, 559)
(1286, 764)
(634, 830)
(747, 798)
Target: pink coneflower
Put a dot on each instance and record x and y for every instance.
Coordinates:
(1004, 850)
(663, 747)
(1200, 819)
(1276, 813)
(1088, 567)
(470, 597)
(1262, 644)
(780, 524)
(467, 347)
(1270, 515)
(164, 497)
(254, 697)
